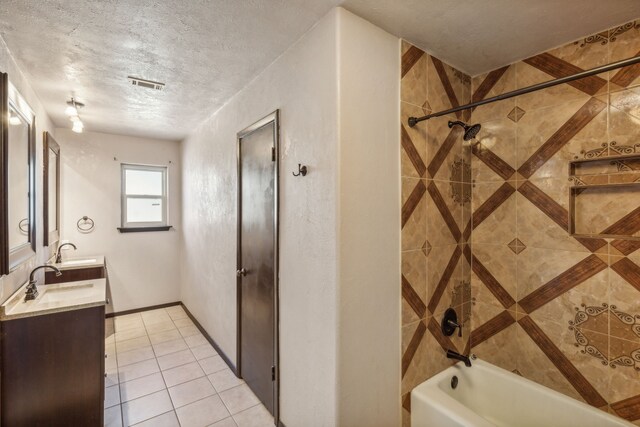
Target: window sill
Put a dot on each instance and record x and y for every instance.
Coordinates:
(143, 229)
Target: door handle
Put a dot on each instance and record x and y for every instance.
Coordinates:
(242, 272)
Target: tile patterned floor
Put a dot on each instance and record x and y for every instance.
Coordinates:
(162, 372)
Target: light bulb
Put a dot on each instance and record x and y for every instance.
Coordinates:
(14, 120)
(77, 127)
(71, 110)
(74, 119)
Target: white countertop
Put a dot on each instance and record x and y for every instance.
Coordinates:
(80, 262)
(55, 298)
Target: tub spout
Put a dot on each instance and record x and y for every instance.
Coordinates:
(455, 355)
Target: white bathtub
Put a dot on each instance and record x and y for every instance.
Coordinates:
(488, 396)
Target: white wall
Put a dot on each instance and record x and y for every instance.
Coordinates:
(9, 283)
(144, 268)
(326, 220)
(302, 83)
(369, 218)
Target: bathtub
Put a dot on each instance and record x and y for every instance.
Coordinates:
(488, 396)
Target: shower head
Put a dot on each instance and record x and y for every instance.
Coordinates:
(470, 131)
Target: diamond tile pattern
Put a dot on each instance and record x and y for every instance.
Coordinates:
(523, 311)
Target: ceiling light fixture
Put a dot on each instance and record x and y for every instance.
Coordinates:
(14, 119)
(78, 127)
(73, 107)
(72, 112)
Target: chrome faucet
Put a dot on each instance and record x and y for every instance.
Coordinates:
(455, 355)
(59, 253)
(32, 289)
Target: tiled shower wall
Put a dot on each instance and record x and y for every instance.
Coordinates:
(436, 212)
(560, 310)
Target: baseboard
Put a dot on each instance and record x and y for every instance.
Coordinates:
(211, 341)
(138, 310)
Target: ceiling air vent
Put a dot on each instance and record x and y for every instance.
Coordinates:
(149, 84)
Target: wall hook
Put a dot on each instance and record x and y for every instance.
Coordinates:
(302, 170)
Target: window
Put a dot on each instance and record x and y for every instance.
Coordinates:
(144, 198)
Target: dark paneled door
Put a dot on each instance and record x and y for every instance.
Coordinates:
(257, 259)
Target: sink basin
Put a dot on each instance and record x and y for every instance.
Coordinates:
(79, 261)
(55, 298)
(64, 294)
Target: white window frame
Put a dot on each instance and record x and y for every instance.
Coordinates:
(124, 196)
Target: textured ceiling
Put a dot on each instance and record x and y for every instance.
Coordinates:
(206, 51)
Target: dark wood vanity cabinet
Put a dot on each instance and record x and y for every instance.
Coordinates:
(52, 369)
(74, 275)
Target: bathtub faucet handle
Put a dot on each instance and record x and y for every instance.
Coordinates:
(456, 325)
(450, 323)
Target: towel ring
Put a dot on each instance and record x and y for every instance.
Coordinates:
(85, 224)
(23, 225)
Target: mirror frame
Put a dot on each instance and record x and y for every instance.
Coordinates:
(48, 143)
(12, 259)
(4, 173)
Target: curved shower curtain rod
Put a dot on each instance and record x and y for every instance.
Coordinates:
(587, 73)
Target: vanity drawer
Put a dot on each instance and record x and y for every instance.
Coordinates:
(75, 275)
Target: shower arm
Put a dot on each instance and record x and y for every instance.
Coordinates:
(587, 73)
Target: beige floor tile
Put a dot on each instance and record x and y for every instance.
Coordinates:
(181, 323)
(202, 413)
(203, 351)
(177, 313)
(188, 331)
(257, 416)
(140, 387)
(110, 361)
(224, 380)
(196, 340)
(133, 344)
(113, 416)
(111, 396)
(137, 370)
(130, 334)
(189, 392)
(158, 312)
(165, 336)
(122, 323)
(146, 407)
(155, 328)
(155, 318)
(239, 398)
(111, 377)
(134, 356)
(169, 419)
(176, 359)
(110, 349)
(181, 374)
(227, 422)
(213, 364)
(172, 365)
(169, 347)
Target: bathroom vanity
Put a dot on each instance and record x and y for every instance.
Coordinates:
(53, 356)
(75, 269)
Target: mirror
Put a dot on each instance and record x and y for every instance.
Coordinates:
(18, 178)
(51, 186)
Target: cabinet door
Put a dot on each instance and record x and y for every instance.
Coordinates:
(53, 369)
